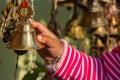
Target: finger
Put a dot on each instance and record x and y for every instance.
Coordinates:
(53, 46)
(40, 28)
(47, 40)
(44, 53)
(38, 25)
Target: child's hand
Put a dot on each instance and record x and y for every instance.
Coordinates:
(53, 46)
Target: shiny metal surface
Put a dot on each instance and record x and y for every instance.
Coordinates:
(24, 38)
(94, 17)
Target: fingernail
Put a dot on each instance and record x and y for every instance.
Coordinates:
(39, 37)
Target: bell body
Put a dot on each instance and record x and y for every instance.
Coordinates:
(74, 30)
(24, 38)
(93, 20)
(100, 31)
(94, 17)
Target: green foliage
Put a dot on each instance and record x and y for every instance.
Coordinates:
(34, 73)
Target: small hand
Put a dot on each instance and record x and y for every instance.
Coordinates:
(53, 46)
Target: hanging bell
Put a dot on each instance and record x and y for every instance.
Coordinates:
(24, 38)
(99, 43)
(73, 29)
(113, 32)
(93, 17)
(101, 31)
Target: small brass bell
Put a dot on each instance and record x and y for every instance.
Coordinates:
(101, 31)
(24, 38)
(114, 32)
(94, 17)
(99, 43)
(73, 29)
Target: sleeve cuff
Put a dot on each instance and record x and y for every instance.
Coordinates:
(53, 67)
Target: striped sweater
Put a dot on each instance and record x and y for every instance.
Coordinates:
(75, 65)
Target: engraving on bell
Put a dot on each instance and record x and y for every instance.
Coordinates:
(24, 38)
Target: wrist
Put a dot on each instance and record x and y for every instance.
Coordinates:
(57, 54)
(53, 67)
(56, 59)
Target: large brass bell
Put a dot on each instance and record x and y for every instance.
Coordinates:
(93, 17)
(24, 38)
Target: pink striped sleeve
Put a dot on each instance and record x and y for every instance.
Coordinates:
(111, 63)
(75, 65)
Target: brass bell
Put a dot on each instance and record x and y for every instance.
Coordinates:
(24, 38)
(101, 31)
(99, 43)
(73, 28)
(93, 17)
(114, 31)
